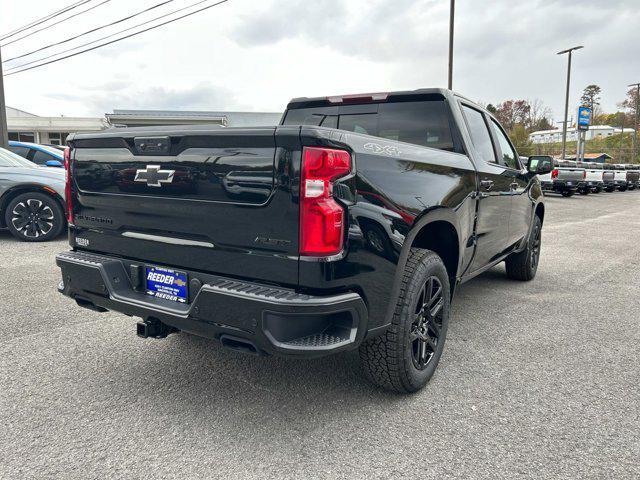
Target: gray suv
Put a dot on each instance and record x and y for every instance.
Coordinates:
(31, 198)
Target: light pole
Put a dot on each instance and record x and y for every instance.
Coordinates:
(4, 135)
(635, 128)
(566, 102)
(452, 10)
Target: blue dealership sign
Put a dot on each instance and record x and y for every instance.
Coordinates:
(584, 118)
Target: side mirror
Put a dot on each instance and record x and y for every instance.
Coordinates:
(539, 166)
(54, 163)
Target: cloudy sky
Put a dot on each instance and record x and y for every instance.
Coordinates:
(257, 54)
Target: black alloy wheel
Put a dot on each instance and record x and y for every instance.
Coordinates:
(536, 242)
(523, 265)
(34, 217)
(427, 323)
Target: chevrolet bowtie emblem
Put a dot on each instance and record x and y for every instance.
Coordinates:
(153, 176)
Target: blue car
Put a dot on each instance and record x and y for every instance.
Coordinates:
(41, 155)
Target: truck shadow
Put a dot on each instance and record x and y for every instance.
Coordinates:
(199, 377)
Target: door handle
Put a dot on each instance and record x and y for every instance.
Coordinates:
(486, 184)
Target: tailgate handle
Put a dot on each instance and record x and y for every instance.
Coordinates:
(152, 145)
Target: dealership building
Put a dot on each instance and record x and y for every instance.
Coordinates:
(28, 127)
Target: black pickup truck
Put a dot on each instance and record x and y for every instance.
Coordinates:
(347, 226)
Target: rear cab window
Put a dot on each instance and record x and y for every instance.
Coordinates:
(424, 122)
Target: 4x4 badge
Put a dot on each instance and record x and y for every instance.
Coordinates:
(153, 176)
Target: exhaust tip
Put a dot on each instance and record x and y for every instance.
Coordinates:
(239, 344)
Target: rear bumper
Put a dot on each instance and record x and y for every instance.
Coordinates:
(560, 185)
(273, 320)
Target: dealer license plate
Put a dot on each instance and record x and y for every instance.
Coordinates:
(167, 284)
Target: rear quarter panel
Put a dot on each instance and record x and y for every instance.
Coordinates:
(397, 189)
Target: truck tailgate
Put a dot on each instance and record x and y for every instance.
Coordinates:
(570, 174)
(213, 200)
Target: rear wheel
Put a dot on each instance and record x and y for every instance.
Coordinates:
(405, 357)
(524, 265)
(34, 217)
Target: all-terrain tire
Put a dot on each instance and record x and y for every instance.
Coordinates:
(389, 360)
(524, 265)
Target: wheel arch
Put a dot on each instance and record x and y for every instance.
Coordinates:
(26, 188)
(436, 230)
(539, 211)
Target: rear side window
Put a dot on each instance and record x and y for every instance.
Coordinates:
(22, 151)
(423, 123)
(479, 134)
(509, 156)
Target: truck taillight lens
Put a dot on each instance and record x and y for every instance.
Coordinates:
(322, 219)
(67, 187)
(554, 173)
(584, 174)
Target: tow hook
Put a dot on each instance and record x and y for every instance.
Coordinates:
(153, 328)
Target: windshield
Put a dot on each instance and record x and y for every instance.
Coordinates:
(10, 159)
(421, 123)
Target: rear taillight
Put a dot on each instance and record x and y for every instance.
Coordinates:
(321, 217)
(584, 174)
(554, 173)
(67, 187)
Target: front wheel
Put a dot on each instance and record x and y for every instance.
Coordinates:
(34, 217)
(524, 265)
(405, 357)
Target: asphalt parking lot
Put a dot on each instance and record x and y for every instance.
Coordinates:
(537, 380)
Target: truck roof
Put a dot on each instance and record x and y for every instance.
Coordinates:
(376, 97)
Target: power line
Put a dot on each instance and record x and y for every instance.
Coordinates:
(18, 69)
(43, 19)
(33, 32)
(89, 31)
(107, 36)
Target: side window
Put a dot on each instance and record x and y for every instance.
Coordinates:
(41, 158)
(22, 151)
(509, 156)
(479, 134)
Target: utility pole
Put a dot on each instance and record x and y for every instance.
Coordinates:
(451, 23)
(635, 128)
(566, 102)
(4, 134)
(621, 138)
